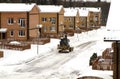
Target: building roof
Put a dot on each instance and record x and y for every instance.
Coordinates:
(70, 12)
(93, 9)
(82, 12)
(50, 8)
(15, 7)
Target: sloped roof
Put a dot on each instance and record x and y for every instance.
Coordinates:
(15, 7)
(82, 12)
(70, 12)
(93, 9)
(50, 8)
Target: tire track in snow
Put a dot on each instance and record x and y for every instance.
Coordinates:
(54, 60)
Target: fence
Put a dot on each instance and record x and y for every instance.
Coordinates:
(70, 32)
(40, 41)
(15, 46)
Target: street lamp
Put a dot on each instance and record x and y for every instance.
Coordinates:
(77, 29)
(39, 26)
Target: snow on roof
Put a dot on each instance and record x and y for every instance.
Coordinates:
(50, 8)
(82, 11)
(93, 9)
(15, 7)
(70, 12)
(3, 29)
(101, 59)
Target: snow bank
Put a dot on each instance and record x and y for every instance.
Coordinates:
(15, 42)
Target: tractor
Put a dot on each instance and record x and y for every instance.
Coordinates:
(64, 46)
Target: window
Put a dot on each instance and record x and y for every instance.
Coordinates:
(21, 33)
(52, 28)
(45, 28)
(82, 19)
(11, 33)
(82, 24)
(44, 19)
(10, 20)
(71, 19)
(95, 18)
(21, 22)
(71, 26)
(53, 20)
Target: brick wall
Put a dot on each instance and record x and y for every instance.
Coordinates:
(1, 54)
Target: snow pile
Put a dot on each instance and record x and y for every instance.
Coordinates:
(15, 42)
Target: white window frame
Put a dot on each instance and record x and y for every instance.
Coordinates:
(44, 19)
(12, 33)
(21, 33)
(10, 21)
(53, 20)
(52, 29)
(95, 18)
(21, 22)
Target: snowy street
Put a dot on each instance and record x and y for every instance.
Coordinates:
(54, 60)
(49, 64)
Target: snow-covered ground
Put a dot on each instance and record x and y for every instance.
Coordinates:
(49, 64)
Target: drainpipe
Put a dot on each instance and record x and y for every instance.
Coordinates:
(86, 23)
(28, 25)
(0, 26)
(57, 23)
(74, 23)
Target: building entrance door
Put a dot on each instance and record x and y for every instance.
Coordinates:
(3, 35)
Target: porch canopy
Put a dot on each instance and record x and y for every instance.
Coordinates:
(3, 30)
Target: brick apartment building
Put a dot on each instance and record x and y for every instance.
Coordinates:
(52, 19)
(94, 17)
(16, 22)
(83, 18)
(71, 20)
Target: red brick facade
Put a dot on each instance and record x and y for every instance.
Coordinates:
(18, 24)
